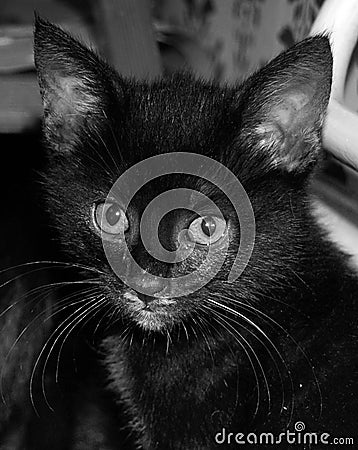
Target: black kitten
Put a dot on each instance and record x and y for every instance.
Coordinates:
(257, 354)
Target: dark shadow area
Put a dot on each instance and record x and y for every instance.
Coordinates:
(25, 231)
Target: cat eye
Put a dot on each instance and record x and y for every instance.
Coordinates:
(110, 218)
(207, 230)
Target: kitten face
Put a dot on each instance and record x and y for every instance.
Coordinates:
(97, 125)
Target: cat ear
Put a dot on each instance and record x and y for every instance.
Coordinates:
(76, 86)
(283, 105)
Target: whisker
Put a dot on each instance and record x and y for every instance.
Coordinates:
(200, 326)
(185, 330)
(266, 348)
(76, 321)
(57, 263)
(169, 341)
(50, 286)
(59, 308)
(89, 317)
(288, 335)
(111, 311)
(210, 325)
(273, 359)
(236, 336)
(41, 353)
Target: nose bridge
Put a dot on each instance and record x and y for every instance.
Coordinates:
(158, 234)
(151, 272)
(151, 254)
(158, 219)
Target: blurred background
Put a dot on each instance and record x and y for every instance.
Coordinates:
(223, 40)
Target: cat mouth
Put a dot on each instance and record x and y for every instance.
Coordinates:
(150, 313)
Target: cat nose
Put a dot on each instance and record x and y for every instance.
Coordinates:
(148, 285)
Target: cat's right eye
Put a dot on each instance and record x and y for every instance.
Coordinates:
(207, 230)
(110, 218)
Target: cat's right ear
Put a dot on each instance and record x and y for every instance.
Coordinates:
(283, 106)
(77, 87)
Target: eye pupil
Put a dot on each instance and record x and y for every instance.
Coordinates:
(113, 214)
(208, 226)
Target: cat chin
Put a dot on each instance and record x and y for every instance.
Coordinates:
(149, 321)
(154, 316)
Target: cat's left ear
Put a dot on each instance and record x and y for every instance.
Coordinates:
(76, 86)
(283, 106)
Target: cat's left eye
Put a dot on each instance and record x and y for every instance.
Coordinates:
(207, 230)
(110, 218)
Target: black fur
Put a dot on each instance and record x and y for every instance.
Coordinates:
(179, 386)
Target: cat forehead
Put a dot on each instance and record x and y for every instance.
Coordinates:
(180, 94)
(178, 114)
